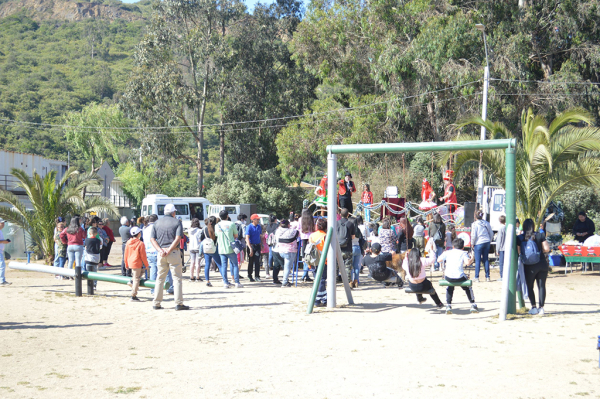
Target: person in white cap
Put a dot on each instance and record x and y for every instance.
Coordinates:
(124, 233)
(2, 261)
(165, 236)
(135, 259)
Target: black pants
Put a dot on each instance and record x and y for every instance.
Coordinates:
(450, 290)
(105, 252)
(537, 273)
(346, 202)
(425, 286)
(277, 265)
(124, 271)
(254, 261)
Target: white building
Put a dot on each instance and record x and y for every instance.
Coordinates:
(29, 163)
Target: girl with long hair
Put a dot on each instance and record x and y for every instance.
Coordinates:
(306, 227)
(73, 236)
(415, 268)
(208, 233)
(194, 234)
(405, 235)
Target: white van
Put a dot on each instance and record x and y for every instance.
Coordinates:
(233, 210)
(494, 205)
(187, 208)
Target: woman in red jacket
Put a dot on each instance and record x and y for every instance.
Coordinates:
(73, 236)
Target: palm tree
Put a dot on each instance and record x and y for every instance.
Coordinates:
(550, 159)
(50, 199)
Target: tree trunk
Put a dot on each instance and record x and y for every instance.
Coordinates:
(431, 110)
(221, 149)
(200, 161)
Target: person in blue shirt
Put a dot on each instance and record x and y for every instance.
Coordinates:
(253, 232)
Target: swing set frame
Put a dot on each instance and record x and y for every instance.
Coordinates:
(508, 301)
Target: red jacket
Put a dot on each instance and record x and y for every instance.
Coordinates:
(73, 239)
(109, 233)
(342, 187)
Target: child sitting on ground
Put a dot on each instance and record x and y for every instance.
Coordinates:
(135, 259)
(415, 267)
(455, 260)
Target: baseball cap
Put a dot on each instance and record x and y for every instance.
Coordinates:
(134, 231)
(2, 220)
(170, 208)
(376, 247)
(254, 216)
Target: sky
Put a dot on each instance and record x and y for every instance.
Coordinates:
(249, 3)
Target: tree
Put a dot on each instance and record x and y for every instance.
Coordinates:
(50, 199)
(250, 185)
(550, 158)
(171, 82)
(93, 132)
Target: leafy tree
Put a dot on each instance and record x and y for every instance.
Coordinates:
(550, 158)
(251, 185)
(135, 182)
(50, 199)
(175, 63)
(91, 135)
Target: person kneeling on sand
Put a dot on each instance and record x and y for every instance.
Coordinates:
(135, 259)
(455, 260)
(415, 267)
(375, 261)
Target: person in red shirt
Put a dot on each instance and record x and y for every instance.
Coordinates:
(111, 238)
(73, 236)
(345, 189)
(449, 191)
(367, 200)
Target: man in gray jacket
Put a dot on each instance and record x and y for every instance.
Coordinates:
(481, 238)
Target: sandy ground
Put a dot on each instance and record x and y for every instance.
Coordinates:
(259, 342)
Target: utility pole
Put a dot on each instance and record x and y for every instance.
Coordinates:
(486, 83)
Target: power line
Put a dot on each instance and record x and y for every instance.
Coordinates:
(242, 122)
(544, 82)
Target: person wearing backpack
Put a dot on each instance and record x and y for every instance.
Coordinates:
(437, 232)
(208, 245)
(345, 234)
(481, 239)
(531, 247)
(226, 236)
(287, 247)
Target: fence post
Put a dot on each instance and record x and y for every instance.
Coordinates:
(78, 287)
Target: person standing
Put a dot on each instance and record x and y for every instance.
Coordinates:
(419, 234)
(57, 231)
(306, 226)
(532, 247)
(346, 233)
(165, 235)
(93, 247)
(271, 229)
(367, 201)
(195, 251)
(73, 236)
(124, 233)
(500, 243)
(345, 190)
(357, 251)
(449, 191)
(152, 254)
(135, 259)
(437, 233)
(287, 247)
(481, 238)
(240, 224)
(210, 248)
(318, 238)
(2, 260)
(61, 249)
(582, 229)
(111, 239)
(226, 233)
(253, 232)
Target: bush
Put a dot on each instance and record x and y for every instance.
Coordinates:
(587, 199)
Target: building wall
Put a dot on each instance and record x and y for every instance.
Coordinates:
(29, 163)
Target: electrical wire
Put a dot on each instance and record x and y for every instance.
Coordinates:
(245, 122)
(544, 82)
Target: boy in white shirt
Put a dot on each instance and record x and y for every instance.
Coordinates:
(455, 260)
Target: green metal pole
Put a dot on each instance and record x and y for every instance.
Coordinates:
(417, 147)
(119, 279)
(313, 295)
(511, 215)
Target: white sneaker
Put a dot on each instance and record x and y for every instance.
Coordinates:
(226, 285)
(533, 311)
(541, 311)
(238, 285)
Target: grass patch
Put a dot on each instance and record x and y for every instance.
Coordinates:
(7, 355)
(441, 385)
(23, 383)
(39, 388)
(123, 390)
(57, 375)
(9, 389)
(582, 394)
(587, 360)
(573, 383)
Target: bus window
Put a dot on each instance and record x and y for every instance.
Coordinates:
(160, 209)
(149, 210)
(197, 211)
(232, 210)
(498, 203)
(181, 209)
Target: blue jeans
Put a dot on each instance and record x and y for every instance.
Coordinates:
(367, 213)
(2, 267)
(75, 254)
(153, 263)
(288, 261)
(235, 270)
(356, 259)
(482, 252)
(270, 261)
(501, 260)
(207, 259)
(438, 252)
(61, 261)
(56, 256)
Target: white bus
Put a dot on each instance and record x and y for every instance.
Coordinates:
(187, 208)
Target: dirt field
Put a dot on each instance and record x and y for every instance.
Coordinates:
(258, 342)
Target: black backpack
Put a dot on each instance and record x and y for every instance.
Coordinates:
(343, 234)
